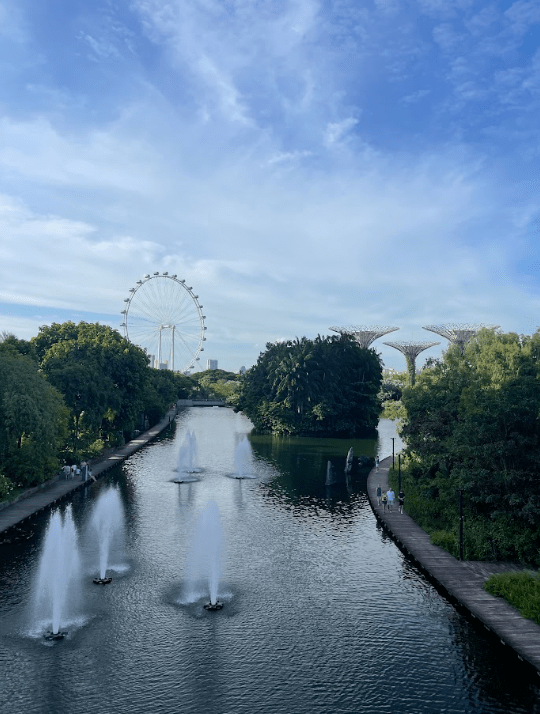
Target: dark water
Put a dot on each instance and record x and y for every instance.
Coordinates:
(323, 614)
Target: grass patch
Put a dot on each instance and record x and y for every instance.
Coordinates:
(522, 590)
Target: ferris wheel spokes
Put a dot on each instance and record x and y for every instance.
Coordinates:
(164, 317)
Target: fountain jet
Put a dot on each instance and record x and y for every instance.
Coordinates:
(204, 559)
(187, 459)
(58, 579)
(107, 524)
(243, 460)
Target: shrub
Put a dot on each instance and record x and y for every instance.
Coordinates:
(522, 590)
(447, 540)
(6, 487)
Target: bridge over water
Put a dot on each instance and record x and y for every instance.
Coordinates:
(200, 403)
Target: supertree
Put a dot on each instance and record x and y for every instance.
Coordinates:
(411, 350)
(363, 334)
(459, 334)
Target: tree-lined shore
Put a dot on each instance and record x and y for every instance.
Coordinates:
(472, 423)
(71, 392)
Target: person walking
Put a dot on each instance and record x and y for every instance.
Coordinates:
(377, 463)
(379, 494)
(401, 500)
(384, 499)
(391, 496)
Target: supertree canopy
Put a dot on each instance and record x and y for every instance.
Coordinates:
(411, 350)
(363, 334)
(459, 334)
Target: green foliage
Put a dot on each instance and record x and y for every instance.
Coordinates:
(8, 342)
(33, 421)
(446, 539)
(161, 391)
(327, 386)
(522, 590)
(218, 384)
(6, 487)
(102, 376)
(433, 503)
(184, 385)
(393, 385)
(473, 422)
(393, 410)
(70, 392)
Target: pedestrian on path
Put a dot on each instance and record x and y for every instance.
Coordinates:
(379, 494)
(391, 496)
(384, 500)
(377, 463)
(401, 500)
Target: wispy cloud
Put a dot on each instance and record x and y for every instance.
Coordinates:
(303, 164)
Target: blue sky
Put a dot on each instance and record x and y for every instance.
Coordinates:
(302, 164)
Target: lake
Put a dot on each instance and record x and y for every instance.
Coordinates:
(322, 612)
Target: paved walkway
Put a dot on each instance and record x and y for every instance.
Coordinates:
(60, 488)
(461, 580)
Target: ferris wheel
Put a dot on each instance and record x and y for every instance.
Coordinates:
(164, 317)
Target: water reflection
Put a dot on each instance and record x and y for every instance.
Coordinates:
(323, 613)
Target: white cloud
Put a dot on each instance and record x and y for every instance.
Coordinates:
(228, 96)
(337, 131)
(232, 155)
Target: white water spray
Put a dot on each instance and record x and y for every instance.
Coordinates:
(243, 458)
(203, 565)
(107, 524)
(57, 596)
(187, 458)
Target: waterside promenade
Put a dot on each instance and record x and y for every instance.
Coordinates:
(462, 581)
(58, 489)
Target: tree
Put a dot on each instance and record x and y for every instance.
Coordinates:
(9, 341)
(33, 421)
(102, 375)
(160, 392)
(473, 422)
(326, 386)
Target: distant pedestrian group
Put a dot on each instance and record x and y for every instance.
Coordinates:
(386, 498)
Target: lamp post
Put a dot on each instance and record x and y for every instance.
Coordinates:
(460, 491)
(393, 461)
(399, 472)
(77, 417)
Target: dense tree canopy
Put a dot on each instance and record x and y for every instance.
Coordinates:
(33, 422)
(101, 375)
(326, 386)
(217, 384)
(473, 422)
(71, 391)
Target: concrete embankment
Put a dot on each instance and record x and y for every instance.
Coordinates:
(461, 581)
(55, 490)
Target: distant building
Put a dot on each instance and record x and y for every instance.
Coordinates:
(242, 370)
(211, 364)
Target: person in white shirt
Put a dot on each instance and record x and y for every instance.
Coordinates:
(391, 495)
